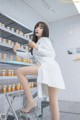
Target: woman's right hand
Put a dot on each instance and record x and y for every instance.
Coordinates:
(15, 47)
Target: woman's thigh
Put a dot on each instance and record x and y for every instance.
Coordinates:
(29, 70)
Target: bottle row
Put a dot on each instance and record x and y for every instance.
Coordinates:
(12, 58)
(11, 43)
(15, 87)
(9, 72)
(17, 31)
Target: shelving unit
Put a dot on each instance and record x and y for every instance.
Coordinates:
(15, 77)
(15, 63)
(8, 34)
(9, 47)
(30, 78)
(13, 95)
(12, 35)
(8, 28)
(20, 91)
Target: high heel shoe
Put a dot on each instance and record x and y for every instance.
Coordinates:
(29, 109)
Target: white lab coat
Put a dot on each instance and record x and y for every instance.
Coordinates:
(49, 73)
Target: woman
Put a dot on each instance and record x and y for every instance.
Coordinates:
(49, 79)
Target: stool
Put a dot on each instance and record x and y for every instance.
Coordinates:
(13, 95)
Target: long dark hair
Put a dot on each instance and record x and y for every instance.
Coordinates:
(44, 34)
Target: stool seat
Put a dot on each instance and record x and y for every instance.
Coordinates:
(44, 104)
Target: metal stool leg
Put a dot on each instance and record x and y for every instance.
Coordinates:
(36, 116)
(10, 101)
(43, 105)
(10, 104)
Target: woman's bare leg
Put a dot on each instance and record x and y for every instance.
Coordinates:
(53, 97)
(21, 74)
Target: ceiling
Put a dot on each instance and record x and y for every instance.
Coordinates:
(61, 8)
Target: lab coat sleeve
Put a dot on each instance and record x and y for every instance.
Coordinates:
(24, 54)
(45, 48)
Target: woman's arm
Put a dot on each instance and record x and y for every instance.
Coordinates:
(45, 48)
(22, 54)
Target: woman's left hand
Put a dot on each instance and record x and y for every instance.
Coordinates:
(32, 44)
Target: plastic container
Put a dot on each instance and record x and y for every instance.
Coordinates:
(9, 88)
(26, 47)
(3, 25)
(0, 24)
(4, 88)
(3, 72)
(12, 44)
(13, 88)
(12, 29)
(9, 73)
(18, 86)
(9, 42)
(18, 58)
(24, 60)
(17, 31)
(0, 89)
(4, 56)
(12, 73)
(21, 87)
(0, 39)
(8, 27)
(28, 60)
(4, 41)
(11, 57)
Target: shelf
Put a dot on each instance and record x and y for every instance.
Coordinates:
(9, 47)
(33, 90)
(15, 63)
(30, 78)
(5, 46)
(12, 35)
(14, 24)
(21, 49)
(8, 34)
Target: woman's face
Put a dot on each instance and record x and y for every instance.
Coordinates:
(39, 31)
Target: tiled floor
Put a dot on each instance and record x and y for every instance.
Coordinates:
(68, 111)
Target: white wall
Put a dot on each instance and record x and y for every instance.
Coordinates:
(65, 34)
(19, 11)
